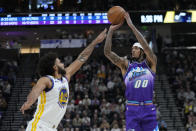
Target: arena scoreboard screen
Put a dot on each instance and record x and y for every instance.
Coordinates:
(168, 17)
(95, 18)
(53, 19)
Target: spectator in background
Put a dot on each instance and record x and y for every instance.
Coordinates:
(105, 125)
(102, 87)
(194, 107)
(86, 121)
(95, 128)
(191, 121)
(110, 84)
(188, 107)
(158, 113)
(181, 97)
(86, 101)
(162, 125)
(71, 106)
(189, 95)
(78, 100)
(95, 102)
(167, 41)
(22, 128)
(3, 103)
(101, 74)
(115, 128)
(68, 120)
(77, 121)
(7, 89)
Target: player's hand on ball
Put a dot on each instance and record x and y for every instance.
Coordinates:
(24, 107)
(128, 19)
(115, 27)
(101, 36)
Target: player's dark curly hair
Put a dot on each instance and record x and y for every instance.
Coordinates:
(46, 64)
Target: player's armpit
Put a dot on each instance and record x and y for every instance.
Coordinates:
(151, 57)
(152, 62)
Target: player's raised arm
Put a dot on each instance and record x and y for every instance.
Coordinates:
(151, 57)
(36, 91)
(113, 57)
(84, 55)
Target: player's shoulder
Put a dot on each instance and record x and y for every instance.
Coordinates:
(125, 61)
(65, 79)
(45, 79)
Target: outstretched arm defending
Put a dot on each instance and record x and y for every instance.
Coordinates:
(113, 57)
(84, 55)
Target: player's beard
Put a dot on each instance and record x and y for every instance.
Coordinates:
(137, 59)
(61, 71)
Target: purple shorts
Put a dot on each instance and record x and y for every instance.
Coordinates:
(141, 118)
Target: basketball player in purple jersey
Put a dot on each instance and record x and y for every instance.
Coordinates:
(139, 75)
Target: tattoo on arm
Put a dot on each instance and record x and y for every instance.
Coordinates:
(82, 58)
(108, 44)
(113, 57)
(86, 52)
(144, 44)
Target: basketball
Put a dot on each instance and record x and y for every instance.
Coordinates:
(116, 15)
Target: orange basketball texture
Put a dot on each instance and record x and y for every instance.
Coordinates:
(116, 15)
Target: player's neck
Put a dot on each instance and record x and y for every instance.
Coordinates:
(57, 75)
(141, 59)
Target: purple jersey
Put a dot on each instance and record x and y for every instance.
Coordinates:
(139, 81)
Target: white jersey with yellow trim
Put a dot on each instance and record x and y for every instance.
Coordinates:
(52, 104)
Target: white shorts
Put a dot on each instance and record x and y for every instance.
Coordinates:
(41, 126)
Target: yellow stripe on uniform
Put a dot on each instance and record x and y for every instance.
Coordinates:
(36, 116)
(40, 111)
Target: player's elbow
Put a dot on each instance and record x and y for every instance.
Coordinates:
(106, 52)
(155, 59)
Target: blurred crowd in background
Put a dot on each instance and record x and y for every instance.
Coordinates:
(181, 74)
(8, 70)
(93, 5)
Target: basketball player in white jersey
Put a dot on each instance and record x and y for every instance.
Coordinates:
(52, 89)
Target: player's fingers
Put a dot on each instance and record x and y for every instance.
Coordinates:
(105, 36)
(121, 23)
(117, 26)
(105, 30)
(22, 109)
